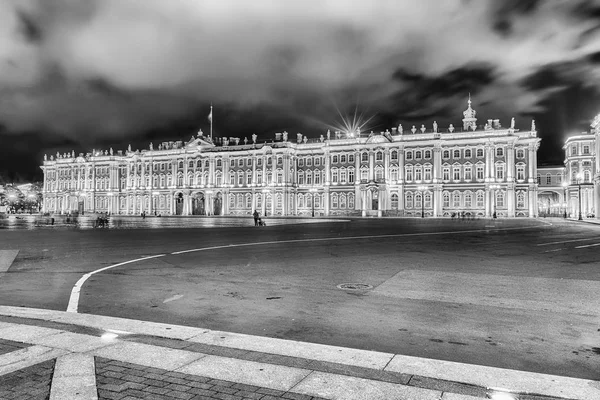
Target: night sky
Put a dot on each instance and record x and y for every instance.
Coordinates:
(84, 74)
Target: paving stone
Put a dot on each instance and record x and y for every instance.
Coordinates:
(7, 346)
(447, 386)
(28, 383)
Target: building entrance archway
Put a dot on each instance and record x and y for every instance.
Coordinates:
(179, 204)
(217, 204)
(198, 204)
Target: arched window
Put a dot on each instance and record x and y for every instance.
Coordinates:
(520, 199)
(351, 201)
(408, 199)
(365, 157)
(408, 173)
(418, 154)
(334, 175)
(232, 201)
(180, 164)
(394, 155)
(428, 200)
(334, 200)
(232, 178)
(456, 199)
(499, 198)
(379, 156)
(300, 177)
(394, 201)
(418, 200)
(300, 200)
(456, 154)
(379, 174)
(427, 154)
(480, 153)
(180, 180)
(317, 177)
(240, 200)
(468, 199)
(342, 200)
(248, 200)
(219, 180)
(343, 175)
(190, 180)
(191, 164)
(586, 176)
(468, 153)
(479, 198)
(446, 199)
(309, 177)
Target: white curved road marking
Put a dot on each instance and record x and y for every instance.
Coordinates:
(74, 299)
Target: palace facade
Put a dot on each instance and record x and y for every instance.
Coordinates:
(477, 170)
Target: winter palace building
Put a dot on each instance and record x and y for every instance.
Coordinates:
(477, 170)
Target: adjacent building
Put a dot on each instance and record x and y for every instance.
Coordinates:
(574, 189)
(472, 170)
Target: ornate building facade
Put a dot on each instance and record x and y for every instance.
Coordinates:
(575, 187)
(476, 170)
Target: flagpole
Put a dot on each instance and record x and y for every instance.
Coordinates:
(211, 122)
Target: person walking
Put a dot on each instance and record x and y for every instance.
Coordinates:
(255, 217)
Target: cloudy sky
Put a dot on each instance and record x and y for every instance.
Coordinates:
(83, 74)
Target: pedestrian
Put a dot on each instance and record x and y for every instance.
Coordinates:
(256, 216)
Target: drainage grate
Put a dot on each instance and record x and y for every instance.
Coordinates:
(354, 286)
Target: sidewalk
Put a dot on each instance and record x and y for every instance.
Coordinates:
(59, 355)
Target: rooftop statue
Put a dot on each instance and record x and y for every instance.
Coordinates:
(152, 147)
(254, 138)
(423, 129)
(451, 128)
(413, 129)
(129, 148)
(111, 151)
(321, 138)
(285, 136)
(435, 126)
(400, 130)
(45, 157)
(245, 140)
(533, 125)
(328, 134)
(512, 123)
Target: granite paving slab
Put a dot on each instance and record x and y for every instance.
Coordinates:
(31, 383)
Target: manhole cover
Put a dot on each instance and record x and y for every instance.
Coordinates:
(354, 286)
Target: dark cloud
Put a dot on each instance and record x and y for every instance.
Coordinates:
(112, 71)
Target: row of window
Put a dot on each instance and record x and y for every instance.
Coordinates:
(585, 149)
(456, 199)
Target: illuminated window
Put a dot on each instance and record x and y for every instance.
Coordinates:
(394, 201)
(468, 153)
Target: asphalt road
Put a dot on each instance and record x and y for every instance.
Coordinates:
(519, 294)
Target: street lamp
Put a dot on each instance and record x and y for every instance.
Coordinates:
(565, 184)
(494, 188)
(313, 190)
(579, 179)
(422, 189)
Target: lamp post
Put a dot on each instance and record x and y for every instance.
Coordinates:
(313, 190)
(565, 184)
(422, 189)
(579, 179)
(494, 188)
